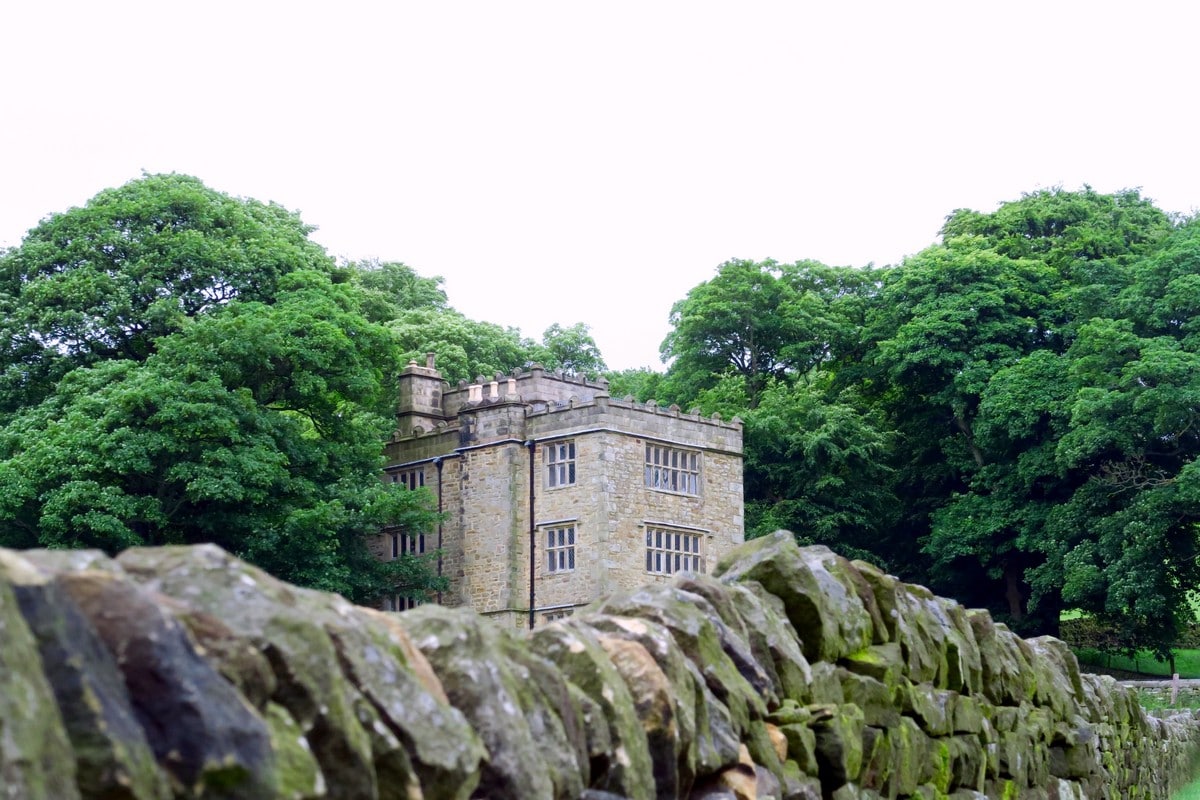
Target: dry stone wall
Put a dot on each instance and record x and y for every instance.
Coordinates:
(790, 673)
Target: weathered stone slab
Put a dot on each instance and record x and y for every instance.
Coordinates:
(820, 598)
(702, 688)
(202, 732)
(498, 698)
(36, 758)
(625, 767)
(337, 669)
(112, 755)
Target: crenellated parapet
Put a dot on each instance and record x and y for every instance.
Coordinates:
(569, 401)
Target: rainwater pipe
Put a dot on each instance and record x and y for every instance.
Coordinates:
(532, 533)
(437, 462)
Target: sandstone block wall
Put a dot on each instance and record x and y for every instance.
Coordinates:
(788, 673)
(481, 444)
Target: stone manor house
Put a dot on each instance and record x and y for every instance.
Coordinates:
(554, 493)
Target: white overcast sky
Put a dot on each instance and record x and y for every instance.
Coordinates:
(591, 162)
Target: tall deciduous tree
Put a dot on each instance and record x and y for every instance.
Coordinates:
(1053, 441)
(640, 383)
(391, 288)
(1087, 237)
(1019, 396)
(214, 380)
(1068, 230)
(739, 322)
(1134, 444)
(257, 428)
(465, 348)
(571, 349)
(817, 464)
(109, 279)
(947, 320)
(763, 341)
(763, 321)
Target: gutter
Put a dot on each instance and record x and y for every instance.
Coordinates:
(532, 532)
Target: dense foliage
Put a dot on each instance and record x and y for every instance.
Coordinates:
(182, 366)
(1010, 414)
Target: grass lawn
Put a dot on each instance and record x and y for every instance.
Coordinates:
(1187, 663)
(1189, 792)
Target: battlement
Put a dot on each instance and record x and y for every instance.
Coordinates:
(536, 404)
(537, 386)
(426, 404)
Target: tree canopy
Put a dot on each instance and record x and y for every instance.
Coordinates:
(571, 349)
(187, 367)
(180, 366)
(1008, 415)
(762, 321)
(111, 279)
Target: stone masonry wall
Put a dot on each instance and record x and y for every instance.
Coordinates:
(493, 490)
(486, 492)
(789, 673)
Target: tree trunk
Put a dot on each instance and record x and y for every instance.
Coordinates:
(965, 428)
(1012, 592)
(1051, 611)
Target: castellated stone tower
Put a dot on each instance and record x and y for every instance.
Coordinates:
(545, 472)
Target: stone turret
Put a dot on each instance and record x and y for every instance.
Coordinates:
(419, 397)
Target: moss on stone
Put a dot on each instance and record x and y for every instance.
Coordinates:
(36, 759)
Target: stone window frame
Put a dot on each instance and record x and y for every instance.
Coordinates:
(673, 469)
(557, 614)
(560, 543)
(561, 463)
(671, 550)
(398, 602)
(409, 478)
(408, 544)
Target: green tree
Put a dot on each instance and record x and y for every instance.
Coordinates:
(108, 280)
(570, 349)
(763, 321)
(737, 322)
(817, 464)
(1002, 523)
(1007, 415)
(1162, 296)
(465, 348)
(258, 428)
(390, 288)
(185, 367)
(640, 383)
(764, 342)
(1088, 238)
(992, 353)
(947, 320)
(1068, 230)
(1134, 443)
